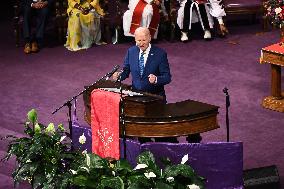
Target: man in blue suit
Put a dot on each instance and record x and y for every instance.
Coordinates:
(147, 64)
(149, 68)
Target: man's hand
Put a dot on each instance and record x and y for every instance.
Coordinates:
(157, 2)
(43, 4)
(223, 29)
(115, 75)
(85, 11)
(40, 5)
(35, 5)
(152, 78)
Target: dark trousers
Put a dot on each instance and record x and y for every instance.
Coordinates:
(41, 16)
(187, 18)
(160, 139)
(194, 138)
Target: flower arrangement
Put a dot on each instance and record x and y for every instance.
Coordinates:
(96, 172)
(45, 160)
(274, 10)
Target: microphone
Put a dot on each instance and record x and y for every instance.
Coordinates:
(225, 90)
(115, 68)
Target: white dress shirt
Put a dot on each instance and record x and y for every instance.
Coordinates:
(146, 54)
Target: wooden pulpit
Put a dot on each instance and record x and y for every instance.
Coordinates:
(274, 55)
(147, 116)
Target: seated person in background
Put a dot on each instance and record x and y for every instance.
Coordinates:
(143, 13)
(204, 11)
(83, 24)
(39, 9)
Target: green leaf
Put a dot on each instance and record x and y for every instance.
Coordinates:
(80, 180)
(123, 165)
(162, 185)
(29, 131)
(148, 158)
(38, 180)
(138, 186)
(50, 172)
(200, 181)
(32, 116)
(166, 161)
(180, 169)
(48, 186)
(22, 172)
(98, 162)
(138, 181)
(114, 183)
(33, 167)
(64, 181)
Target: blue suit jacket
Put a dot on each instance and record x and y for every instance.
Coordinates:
(157, 64)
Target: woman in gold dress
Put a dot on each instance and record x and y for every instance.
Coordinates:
(83, 24)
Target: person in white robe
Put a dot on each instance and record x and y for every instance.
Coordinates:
(146, 17)
(203, 11)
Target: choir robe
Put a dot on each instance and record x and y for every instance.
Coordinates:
(214, 9)
(146, 16)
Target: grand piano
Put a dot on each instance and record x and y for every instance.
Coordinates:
(145, 115)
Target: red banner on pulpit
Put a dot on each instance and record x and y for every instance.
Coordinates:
(105, 123)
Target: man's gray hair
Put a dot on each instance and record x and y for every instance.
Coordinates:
(143, 30)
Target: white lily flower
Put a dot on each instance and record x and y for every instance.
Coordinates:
(170, 179)
(84, 152)
(73, 172)
(62, 138)
(140, 166)
(50, 128)
(150, 175)
(88, 160)
(193, 186)
(37, 128)
(184, 159)
(111, 165)
(82, 139)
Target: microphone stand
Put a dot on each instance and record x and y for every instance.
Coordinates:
(122, 117)
(69, 105)
(225, 90)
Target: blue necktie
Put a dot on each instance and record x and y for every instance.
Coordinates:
(141, 63)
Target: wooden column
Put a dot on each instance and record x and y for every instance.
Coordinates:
(276, 81)
(274, 55)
